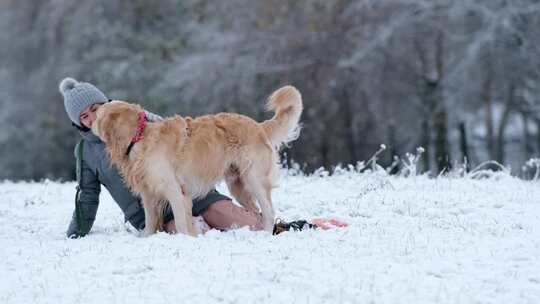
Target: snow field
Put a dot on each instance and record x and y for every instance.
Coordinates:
(410, 240)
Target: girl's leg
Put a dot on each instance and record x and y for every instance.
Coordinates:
(225, 215)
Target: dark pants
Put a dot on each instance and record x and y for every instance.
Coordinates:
(199, 205)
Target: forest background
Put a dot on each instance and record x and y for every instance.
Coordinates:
(459, 78)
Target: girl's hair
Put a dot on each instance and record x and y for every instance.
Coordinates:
(80, 128)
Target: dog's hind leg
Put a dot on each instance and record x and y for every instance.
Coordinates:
(237, 188)
(260, 186)
(263, 195)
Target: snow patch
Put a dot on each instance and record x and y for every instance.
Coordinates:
(410, 240)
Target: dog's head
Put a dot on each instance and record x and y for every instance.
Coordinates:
(116, 123)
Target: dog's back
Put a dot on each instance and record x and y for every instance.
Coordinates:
(227, 144)
(215, 143)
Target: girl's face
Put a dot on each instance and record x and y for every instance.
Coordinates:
(88, 116)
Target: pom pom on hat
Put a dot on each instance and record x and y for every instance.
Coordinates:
(67, 83)
(78, 96)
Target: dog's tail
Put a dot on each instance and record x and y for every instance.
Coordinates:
(283, 127)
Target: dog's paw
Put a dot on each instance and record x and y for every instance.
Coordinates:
(200, 226)
(268, 225)
(192, 231)
(147, 233)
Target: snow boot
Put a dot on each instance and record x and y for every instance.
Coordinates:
(299, 225)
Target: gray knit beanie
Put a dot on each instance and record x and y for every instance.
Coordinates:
(78, 96)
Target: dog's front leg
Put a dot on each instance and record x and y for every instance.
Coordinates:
(150, 215)
(188, 214)
(181, 205)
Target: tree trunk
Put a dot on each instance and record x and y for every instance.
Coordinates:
(490, 143)
(500, 143)
(425, 144)
(325, 152)
(527, 147)
(348, 125)
(537, 121)
(442, 153)
(392, 142)
(463, 144)
(436, 104)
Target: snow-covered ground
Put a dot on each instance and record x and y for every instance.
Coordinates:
(410, 240)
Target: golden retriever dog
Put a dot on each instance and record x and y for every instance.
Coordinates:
(182, 158)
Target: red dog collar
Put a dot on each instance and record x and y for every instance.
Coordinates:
(141, 125)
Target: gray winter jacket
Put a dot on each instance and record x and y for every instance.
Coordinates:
(96, 171)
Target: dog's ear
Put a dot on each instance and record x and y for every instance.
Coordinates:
(107, 126)
(113, 116)
(106, 133)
